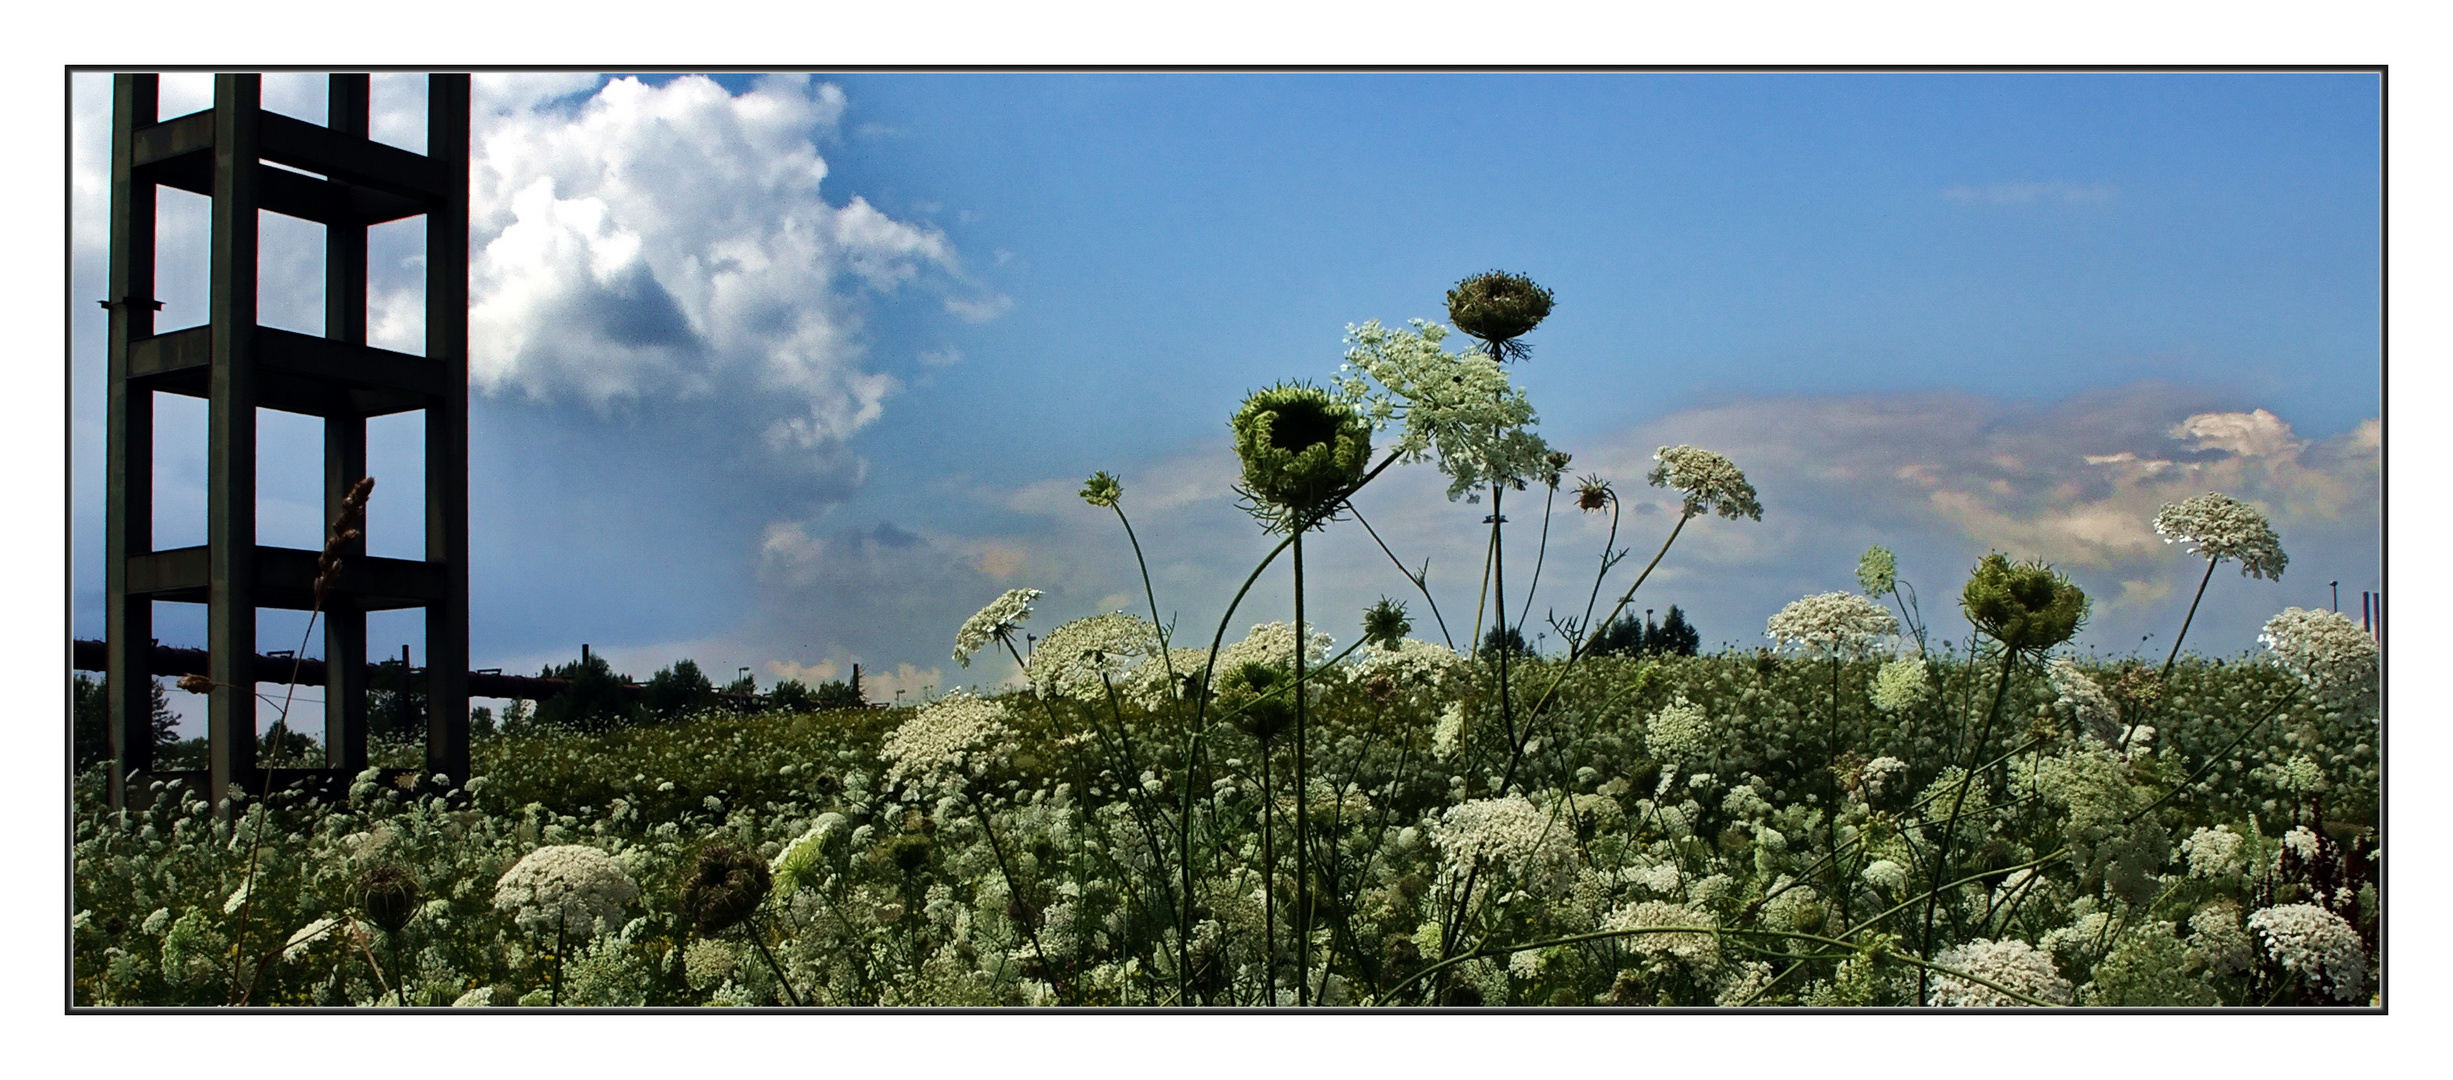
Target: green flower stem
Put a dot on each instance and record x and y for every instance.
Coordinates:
(2168, 661)
(1421, 582)
(1541, 554)
(758, 938)
(1303, 798)
(1149, 591)
(1209, 672)
(1586, 629)
(1517, 753)
(1941, 855)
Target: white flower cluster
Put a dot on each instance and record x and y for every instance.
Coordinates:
(1711, 482)
(2098, 718)
(2315, 944)
(2216, 852)
(2301, 841)
(946, 735)
(1458, 406)
(1886, 875)
(1273, 644)
(1504, 835)
(1000, 618)
(2010, 962)
(1901, 685)
(2326, 651)
(1074, 658)
(1700, 948)
(2217, 940)
(1414, 666)
(1450, 729)
(1839, 624)
(2221, 527)
(572, 885)
(1882, 775)
(797, 864)
(1680, 730)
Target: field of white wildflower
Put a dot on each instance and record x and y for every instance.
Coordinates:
(1854, 815)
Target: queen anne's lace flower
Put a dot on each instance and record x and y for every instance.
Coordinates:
(2098, 718)
(1505, 835)
(1885, 874)
(1700, 948)
(2221, 527)
(944, 737)
(1877, 571)
(1457, 406)
(1448, 731)
(1413, 665)
(2327, 652)
(2316, 945)
(1081, 658)
(1680, 730)
(1901, 685)
(1884, 775)
(1709, 480)
(2217, 940)
(2010, 962)
(999, 619)
(1272, 644)
(572, 884)
(2216, 852)
(1832, 624)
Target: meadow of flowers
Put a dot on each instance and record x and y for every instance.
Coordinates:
(1855, 814)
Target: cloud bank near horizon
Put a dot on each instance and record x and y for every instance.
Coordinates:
(1941, 478)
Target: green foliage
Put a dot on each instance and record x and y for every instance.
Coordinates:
(675, 690)
(594, 700)
(2028, 607)
(899, 899)
(89, 711)
(1302, 449)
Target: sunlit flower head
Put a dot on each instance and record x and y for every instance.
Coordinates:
(2221, 527)
(2012, 963)
(1832, 624)
(2026, 606)
(1102, 490)
(570, 886)
(997, 621)
(1901, 685)
(1082, 658)
(945, 737)
(1710, 481)
(1680, 730)
(1456, 407)
(1877, 571)
(2326, 651)
(2316, 945)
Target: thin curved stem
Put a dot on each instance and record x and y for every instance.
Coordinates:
(1941, 855)
(1422, 584)
(2168, 661)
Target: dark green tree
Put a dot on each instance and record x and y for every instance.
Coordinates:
(1675, 637)
(594, 700)
(90, 732)
(677, 691)
(396, 702)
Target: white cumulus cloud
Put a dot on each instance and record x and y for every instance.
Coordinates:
(648, 242)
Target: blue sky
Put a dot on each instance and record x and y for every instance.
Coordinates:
(792, 373)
